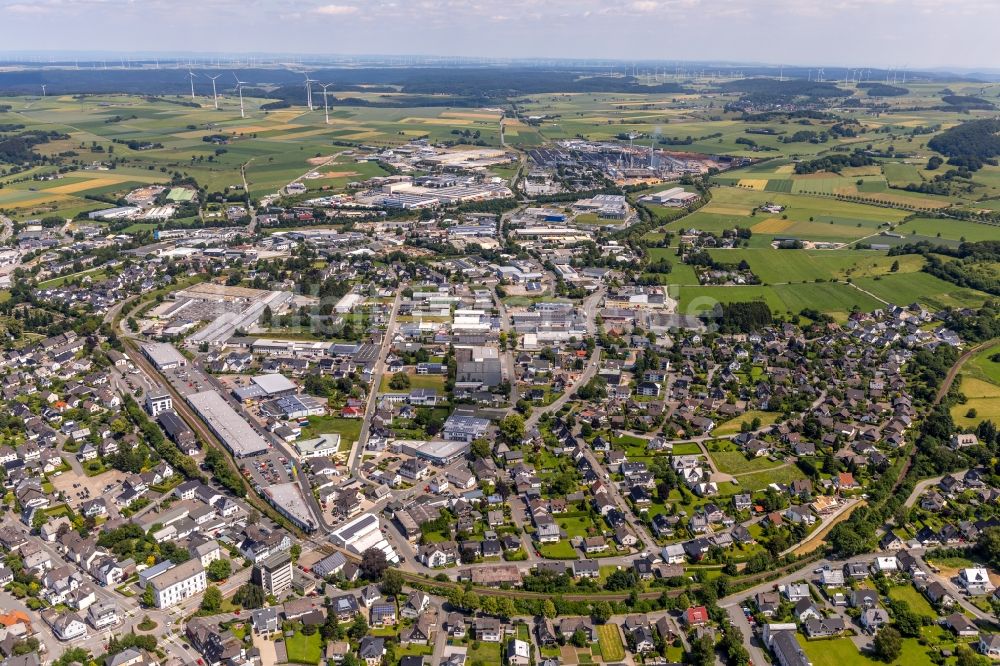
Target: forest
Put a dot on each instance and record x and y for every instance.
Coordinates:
(970, 144)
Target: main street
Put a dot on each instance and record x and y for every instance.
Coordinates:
(356, 455)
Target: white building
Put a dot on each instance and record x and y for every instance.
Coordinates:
(157, 403)
(323, 446)
(178, 583)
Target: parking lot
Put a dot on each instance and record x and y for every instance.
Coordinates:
(79, 488)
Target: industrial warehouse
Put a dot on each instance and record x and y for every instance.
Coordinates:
(231, 428)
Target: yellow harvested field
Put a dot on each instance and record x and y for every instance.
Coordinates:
(854, 172)
(190, 134)
(363, 135)
(980, 395)
(849, 190)
(785, 168)
(316, 161)
(754, 183)
(42, 198)
(473, 116)
(918, 202)
(772, 225)
(250, 129)
(102, 181)
(437, 121)
(298, 135)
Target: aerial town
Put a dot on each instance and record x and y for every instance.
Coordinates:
(625, 365)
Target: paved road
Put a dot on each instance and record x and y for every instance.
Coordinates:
(354, 460)
(954, 590)
(507, 356)
(588, 373)
(826, 522)
(922, 486)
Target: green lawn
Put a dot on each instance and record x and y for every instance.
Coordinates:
(831, 297)
(304, 649)
(486, 653)
(575, 524)
(610, 640)
(735, 462)
(918, 603)
(733, 426)
(349, 429)
(686, 449)
(843, 652)
(761, 480)
(560, 550)
(416, 381)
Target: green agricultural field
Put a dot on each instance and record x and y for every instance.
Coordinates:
(836, 299)
(903, 289)
(949, 229)
(781, 266)
(980, 384)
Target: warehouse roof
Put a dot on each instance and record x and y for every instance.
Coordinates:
(237, 435)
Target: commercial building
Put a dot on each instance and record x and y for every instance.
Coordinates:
(158, 402)
(163, 355)
(274, 573)
(464, 427)
(675, 196)
(273, 385)
(362, 533)
(438, 451)
(288, 499)
(478, 366)
(178, 583)
(232, 429)
(294, 407)
(319, 447)
(290, 347)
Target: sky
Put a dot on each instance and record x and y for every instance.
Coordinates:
(854, 33)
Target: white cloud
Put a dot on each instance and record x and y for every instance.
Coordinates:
(336, 10)
(19, 8)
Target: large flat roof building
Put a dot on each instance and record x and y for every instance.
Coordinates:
(288, 499)
(362, 533)
(438, 451)
(232, 429)
(163, 355)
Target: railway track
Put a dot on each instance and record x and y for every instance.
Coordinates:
(206, 435)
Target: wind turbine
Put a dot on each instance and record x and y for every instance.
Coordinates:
(239, 88)
(309, 91)
(326, 101)
(192, 75)
(43, 90)
(215, 95)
